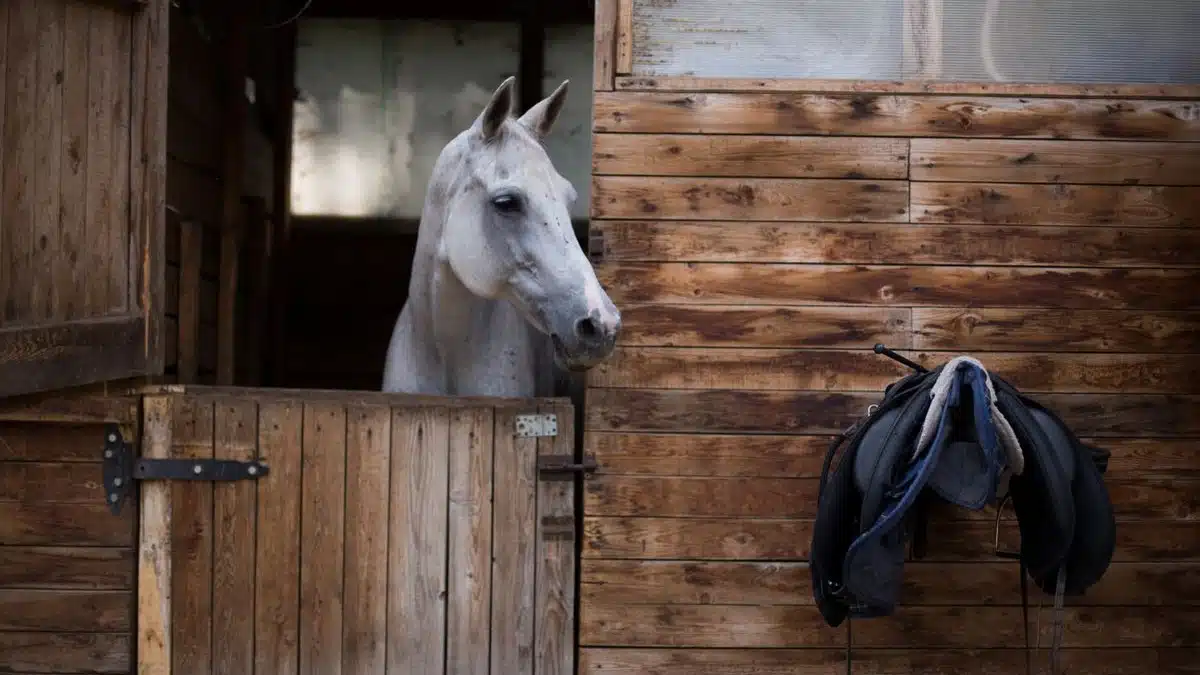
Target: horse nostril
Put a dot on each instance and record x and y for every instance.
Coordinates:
(587, 328)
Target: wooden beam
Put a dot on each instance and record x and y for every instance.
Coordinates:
(604, 59)
(154, 547)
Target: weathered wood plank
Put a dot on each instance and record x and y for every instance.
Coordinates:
(788, 540)
(61, 611)
(46, 287)
(554, 651)
(193, 534)
(749, 199)
(50, 524)
(979, 286)
(277, 555)
(41, 482)
(1114, 661)
(120, 223)
(191, 237)
(707, 454)
(322, 521)
(624, 38)
(838, 370)
(727, 410)
(154, 598)
(870, 114)
(867, 243)
(1100, 330)
(368, 461)
(750, 156)
(235, 525)
(514, 548)
(61, 567)
(41, 442)
(746, 325)
(469, 586)
(1145, 456)
(604, 53)
(760, 497)
(669, 582)
(1123, 206)
(417, 544)
(1048, 161)
(20, 158)
(71, 269)
(5, 224)
(103, 83)
(723, 626)
(42, 652)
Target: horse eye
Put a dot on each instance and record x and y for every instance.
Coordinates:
(507, 203)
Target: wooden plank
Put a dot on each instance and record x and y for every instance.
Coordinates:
(514, 548)
(50, 524)
(1110, 661)
(235, 526)
(838, 370)
(277, 554)
(1145, 456)
(82, 405)
(554, 652)
(121, 229)
(192, 573)
(368, 459)
(1022, 203)
(910, 286)
(155, 581)
(65, 611)
(190, 252)
(624, 38)
(750, 156)
(40, 442)
(227, 295)
(47, 287)
(42, 482)
(668, 582)
(721, 626)
(5, 224)
(469, 585)
(1099, 330)
(102, 86)
(747, 325)
(417, 545)
(1052, 161)
(322, 521)
(872, 114)
(41, 652)
(604, 54)
(866, 243)
(20, 156)
(61, 567)
(71, 270)
(707, 454)
(749, 199)
(60, 355)
(922, 86)
(831, 412)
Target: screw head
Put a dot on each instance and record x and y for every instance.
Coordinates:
(253, 470)
(113, 497)
(112, 438)
(108, 454)
(197, 469)
(117, 482)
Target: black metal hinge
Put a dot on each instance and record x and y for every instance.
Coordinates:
(121, 469)
(563, 467)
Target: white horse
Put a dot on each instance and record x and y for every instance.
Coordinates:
(501, 291)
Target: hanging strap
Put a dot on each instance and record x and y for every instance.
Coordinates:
(1060, 593)
(1025, 619)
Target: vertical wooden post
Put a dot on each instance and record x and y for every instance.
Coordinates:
(624, 38)
(154, 546)
(233, 128)
(604, 59)
(554, 632)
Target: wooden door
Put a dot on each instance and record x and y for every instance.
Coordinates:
(82, 129)
(393, 534)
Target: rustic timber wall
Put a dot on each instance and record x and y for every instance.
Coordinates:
(393, 533)
(758, 244)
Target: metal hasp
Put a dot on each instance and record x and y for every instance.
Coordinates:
(121, 469)
(564, 467)
(537, 426)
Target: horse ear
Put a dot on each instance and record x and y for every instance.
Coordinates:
(540, 118)
(498, 109)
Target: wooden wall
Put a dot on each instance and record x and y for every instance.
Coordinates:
(759, 243)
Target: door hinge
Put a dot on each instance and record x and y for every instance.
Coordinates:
(564, 467)
(537, 426)
(121, 469)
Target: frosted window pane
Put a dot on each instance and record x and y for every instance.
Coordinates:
(1079, 41)
(379, 101)
(568, 55)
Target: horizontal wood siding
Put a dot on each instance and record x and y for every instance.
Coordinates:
(759, 243)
